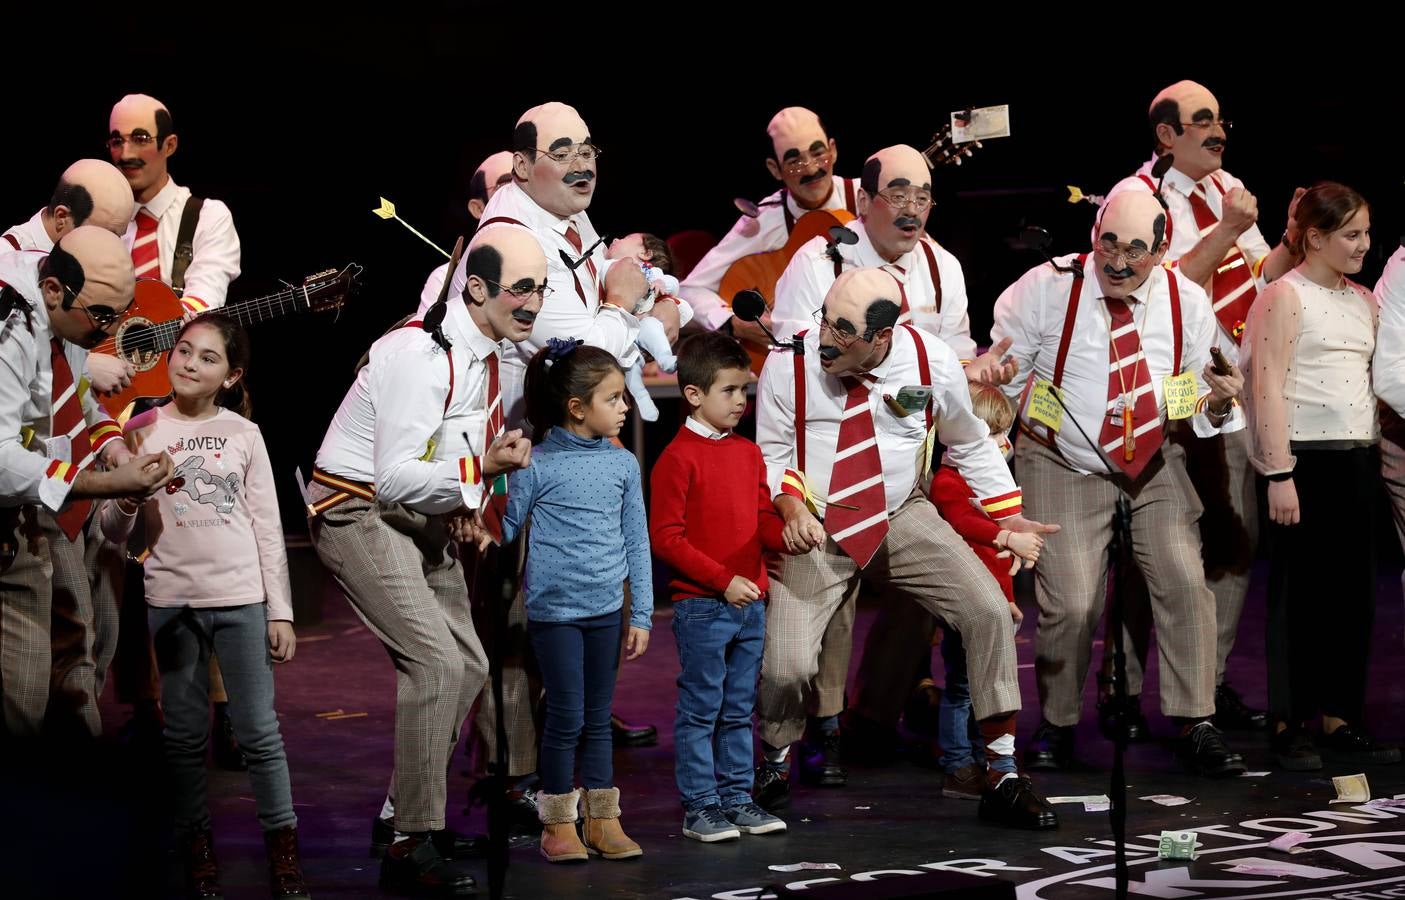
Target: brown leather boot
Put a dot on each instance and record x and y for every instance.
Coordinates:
(557, 812)
(202, 873)
(603, 833)
(284, 865)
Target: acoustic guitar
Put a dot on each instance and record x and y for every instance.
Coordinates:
(760, 271)
(150, 325)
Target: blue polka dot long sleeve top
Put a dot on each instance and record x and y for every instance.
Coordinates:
(589, 533)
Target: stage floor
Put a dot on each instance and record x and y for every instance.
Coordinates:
(94, 831)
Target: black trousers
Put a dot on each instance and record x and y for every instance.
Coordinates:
(1322, 587)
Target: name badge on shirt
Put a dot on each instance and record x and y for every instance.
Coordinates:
(1181, 393)
(1046, 405)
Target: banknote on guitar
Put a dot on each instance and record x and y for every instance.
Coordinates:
(760, 271)
(149, 327)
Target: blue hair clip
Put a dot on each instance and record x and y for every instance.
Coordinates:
(559, 347)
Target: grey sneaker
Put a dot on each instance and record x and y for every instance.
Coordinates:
(709, 825)
(752, 819)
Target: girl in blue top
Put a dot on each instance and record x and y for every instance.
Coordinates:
(583, 496)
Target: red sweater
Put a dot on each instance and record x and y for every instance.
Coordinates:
(710, 513)
(952, 497)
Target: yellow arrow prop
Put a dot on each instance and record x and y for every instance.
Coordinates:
(1075, 195)
(387, 211)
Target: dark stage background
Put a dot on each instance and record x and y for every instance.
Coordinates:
(301, 119)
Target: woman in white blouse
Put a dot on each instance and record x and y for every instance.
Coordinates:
(1307, 364)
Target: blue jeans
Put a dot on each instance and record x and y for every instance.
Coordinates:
(719, 649)
(954, 717)
(238, 635)
(578, 660)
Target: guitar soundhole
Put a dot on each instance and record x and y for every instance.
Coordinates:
(136, 343)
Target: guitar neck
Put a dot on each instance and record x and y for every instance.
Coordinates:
(245, 312)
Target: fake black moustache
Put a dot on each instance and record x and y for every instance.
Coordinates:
(829, 351)
(573, 177)
(1213, 142)
(907, 221)
(131, 164)
(811, 179)
(1127, 272)
(525, 316)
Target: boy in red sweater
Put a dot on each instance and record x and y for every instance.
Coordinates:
(953, 498)
(711, 520)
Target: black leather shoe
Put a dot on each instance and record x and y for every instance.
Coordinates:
(1294, 750)
(450, 843)
(626, 734)
(1354, 745)
(772, 788)
(1233, 714)
(1133, 722)
(414, 868)
(522, 816)
(820, 763)
(1051, 748)
(1203, 751)
(224, 747)
(1014, 804)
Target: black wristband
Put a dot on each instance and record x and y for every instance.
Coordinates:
(1280, 476)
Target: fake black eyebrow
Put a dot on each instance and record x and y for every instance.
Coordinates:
(843, 324)
(899, 182)
(1206, 113)
(792, 153)
(523, 284)
(818, 147)
(1110, 236)
(560, 143)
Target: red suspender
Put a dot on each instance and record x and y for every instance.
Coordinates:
(851, 203)
(11, 239)
(924, 371)
(785, 208)
(934, 272)
(1070, 314)
(800, 406)
(496, 219)
(1175, 287)
(419, 323)
(924, 367)
(1151, 184)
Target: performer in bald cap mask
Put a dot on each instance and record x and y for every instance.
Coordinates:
(1213, 237)
(493, 173)
(89, 192)
(801, 156)
(55, 306)
(141, 140)
(894, 201)
(381, 502)
(1118, 335)
(554, 170)
(846, 461)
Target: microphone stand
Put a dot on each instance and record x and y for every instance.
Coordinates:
(1120, 564)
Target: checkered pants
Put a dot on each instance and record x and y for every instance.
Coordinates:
(922, 560)
(1071, 578)
(26, 590)
(395, 567)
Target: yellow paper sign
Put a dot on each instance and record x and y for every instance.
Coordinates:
(1181, 392)
(1046, 405)
(929, 446)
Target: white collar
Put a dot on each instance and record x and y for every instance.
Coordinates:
(693, 425)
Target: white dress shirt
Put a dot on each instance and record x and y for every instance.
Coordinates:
(393, 428)
(1388, 366)
(749, 236)
(810, 275)
(215, 247)
(30, 235)
(29, 475)
(901, 440)
(1186, 234)
(1031, 312)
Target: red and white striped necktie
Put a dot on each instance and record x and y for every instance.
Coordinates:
(68, 422)
(1232, 288)
(146, 253)
(856, 479)
(496, 506)
(1131, 430)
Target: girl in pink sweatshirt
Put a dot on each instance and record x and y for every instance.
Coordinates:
(216, 580)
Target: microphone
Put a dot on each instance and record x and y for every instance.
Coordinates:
(749, 306)
(1038, 239)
